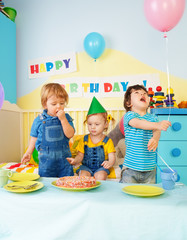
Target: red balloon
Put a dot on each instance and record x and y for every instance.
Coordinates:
(164, 14)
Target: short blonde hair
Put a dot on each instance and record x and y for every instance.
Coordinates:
(53, 89)
(104, 115)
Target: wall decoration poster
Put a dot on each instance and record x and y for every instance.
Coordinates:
(114, 86)
(48, 66)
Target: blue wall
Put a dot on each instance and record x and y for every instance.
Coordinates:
(8, 57)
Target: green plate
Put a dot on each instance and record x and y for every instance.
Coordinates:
(76, 189)
(24, 177)
(9, 187)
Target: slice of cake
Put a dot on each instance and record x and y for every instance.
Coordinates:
(76, 182)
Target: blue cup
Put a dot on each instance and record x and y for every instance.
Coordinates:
(168, 178)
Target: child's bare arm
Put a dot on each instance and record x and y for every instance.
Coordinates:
(111, 160)
(146, 125)
(27, 156)
(153, 142)
(156, 134)
(77, 159)
(67, 128)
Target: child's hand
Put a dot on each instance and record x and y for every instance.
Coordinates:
(71, 161)
(107, 164)
(163, 125)
(61, 115)
(26, 158)
(152, 145)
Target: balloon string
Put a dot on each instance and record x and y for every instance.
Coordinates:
(165, 163)
(167, 70)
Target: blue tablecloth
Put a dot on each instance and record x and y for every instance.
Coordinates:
(102, 213)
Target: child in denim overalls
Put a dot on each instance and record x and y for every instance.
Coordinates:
(96, 151)
(50, 134)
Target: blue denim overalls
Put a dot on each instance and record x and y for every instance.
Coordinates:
(54, 150)
(94, 156)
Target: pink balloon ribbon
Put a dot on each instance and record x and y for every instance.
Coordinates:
(1, 95)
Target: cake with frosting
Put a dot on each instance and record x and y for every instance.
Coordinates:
(76, 182)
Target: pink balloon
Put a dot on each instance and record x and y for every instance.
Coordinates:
(164, 14)
(1, 95)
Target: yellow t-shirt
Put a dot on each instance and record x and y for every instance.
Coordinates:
(108, 147)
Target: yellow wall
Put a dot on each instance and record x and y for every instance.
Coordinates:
(111, 63)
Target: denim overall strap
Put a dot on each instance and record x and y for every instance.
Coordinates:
(54, 150)
(105, 140)
(53, 135)
(86, 138)
(94, 156)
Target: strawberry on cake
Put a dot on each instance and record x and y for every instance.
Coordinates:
(76, 182)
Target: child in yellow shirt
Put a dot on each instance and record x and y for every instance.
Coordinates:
(96, 151)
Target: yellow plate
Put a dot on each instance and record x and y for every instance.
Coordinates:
(143, 190)
(77, 189)
(24, 177)
(23, 184)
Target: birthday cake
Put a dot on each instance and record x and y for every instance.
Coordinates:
(76, 182)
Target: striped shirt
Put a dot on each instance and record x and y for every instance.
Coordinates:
(137, 155)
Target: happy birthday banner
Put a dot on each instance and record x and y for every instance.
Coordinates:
(106, 86)
(44, 67)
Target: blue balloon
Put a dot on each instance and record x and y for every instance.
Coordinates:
(94, 44)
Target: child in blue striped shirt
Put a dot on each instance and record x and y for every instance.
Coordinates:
(142, 134)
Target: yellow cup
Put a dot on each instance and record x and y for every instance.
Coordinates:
(4, 175)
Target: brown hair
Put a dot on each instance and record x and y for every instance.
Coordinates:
(127, 96)
(53, 89)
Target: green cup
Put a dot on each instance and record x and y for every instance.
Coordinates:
(11, 12)
(4, 175)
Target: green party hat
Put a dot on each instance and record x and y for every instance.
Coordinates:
(95, 107)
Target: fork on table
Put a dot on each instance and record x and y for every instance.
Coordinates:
(27, 187)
